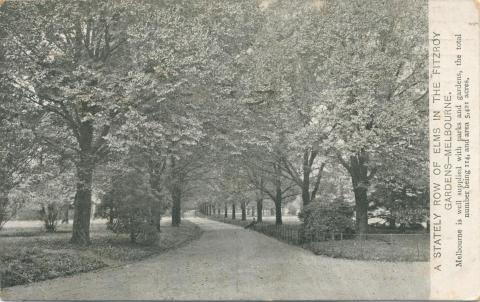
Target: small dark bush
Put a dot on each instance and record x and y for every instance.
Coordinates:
(140, 231)
(327, 217)
(49, 216)
(131, 207)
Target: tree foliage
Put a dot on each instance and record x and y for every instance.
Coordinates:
(156, 104)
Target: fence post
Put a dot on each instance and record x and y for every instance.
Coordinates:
(341, 236)
(333, 236)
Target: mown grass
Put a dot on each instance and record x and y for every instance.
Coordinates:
(401, 249)
(30, 255)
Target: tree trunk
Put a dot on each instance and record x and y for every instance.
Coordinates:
(306, 179)
(360, 182)
(83, 195)
(278, 205)
(278, 213)
(244, 213)
(316, 186)
(111, 215)
(361, 209)
(233, 210)
(260, 202)
(156, 214)
(176, 205)
(226, 211)
(83, 204)
(278, 196)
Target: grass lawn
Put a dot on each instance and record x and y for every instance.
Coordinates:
(402, 248)
(27, 254)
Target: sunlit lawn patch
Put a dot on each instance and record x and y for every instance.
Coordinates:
(29, 255)
(405, 249)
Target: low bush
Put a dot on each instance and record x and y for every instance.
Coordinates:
(133, 207)
(139, 230)
(34, 264)
(327, 217)
(49, 215)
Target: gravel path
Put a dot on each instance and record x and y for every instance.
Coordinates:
(228, 262)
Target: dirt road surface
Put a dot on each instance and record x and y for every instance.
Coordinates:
(228, 262)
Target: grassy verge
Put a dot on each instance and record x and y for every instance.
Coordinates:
(31, 255)
(372, 249)
(380, 247)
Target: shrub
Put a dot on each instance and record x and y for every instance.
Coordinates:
(130, 204)
(327, 217)
(49, 216)
(136, 225)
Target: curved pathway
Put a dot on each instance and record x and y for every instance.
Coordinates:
(228, 262)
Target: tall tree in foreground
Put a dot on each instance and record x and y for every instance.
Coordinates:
(377, 73)
(68, 62)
